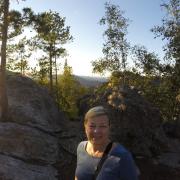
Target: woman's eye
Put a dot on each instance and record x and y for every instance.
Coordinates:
(99, 127)
(102, 126)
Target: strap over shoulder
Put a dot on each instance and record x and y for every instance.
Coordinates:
(104, 157)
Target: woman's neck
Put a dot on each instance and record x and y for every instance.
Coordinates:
(96, 149)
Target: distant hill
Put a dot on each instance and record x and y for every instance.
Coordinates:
(90, 81)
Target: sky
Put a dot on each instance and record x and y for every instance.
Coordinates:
(83, 17)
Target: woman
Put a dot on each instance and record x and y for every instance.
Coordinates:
(118, 164)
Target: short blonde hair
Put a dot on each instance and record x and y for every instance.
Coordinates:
(94, 112)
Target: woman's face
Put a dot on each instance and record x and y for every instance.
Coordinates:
(97, 130)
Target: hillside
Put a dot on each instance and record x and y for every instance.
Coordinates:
(90, 81)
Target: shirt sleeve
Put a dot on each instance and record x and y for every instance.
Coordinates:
(80, 149)
(128, 168)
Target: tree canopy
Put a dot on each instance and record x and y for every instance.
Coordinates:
(115, 48)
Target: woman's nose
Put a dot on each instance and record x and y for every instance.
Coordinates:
(96, 129)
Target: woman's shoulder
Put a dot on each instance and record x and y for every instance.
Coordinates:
(119, 150)
(81, 145)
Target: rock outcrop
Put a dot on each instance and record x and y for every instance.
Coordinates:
(32, 105)
(39, 142)
(137, 125)
(30, 140)
(135, 122)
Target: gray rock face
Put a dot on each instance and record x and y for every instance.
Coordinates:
(27, 143)
(30, 146)
(170, 159)
(30, 104)
(15, 169)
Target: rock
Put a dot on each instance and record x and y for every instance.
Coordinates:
(30, 140)
(31, 104)
(172, 129)
(16, 169)
(151, 170)
(170, 159)
(39, 142)
(28, 144)
(135, 122)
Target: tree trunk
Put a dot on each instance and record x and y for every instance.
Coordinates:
(50, 70)
(3, 92)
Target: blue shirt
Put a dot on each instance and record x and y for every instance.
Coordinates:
(118, 166)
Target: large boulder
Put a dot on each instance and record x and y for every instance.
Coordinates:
(135, 122)
(31, 104)
(31, 140)
(28, 143)
(16, 169)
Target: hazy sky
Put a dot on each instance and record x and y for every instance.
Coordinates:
(83, 16)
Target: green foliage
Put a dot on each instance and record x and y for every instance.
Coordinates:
(170, 30)
(158, 90)
(115, 48)
(18, 55)
(158, 83)
(41, 75)
(132, 79)
(69, 92)
(16, 23)
(146, 61)
(51, 33)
